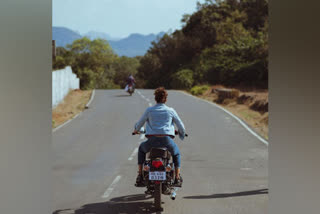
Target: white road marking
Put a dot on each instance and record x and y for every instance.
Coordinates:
(135, 151)
(62, 125)
(92, 96)
(246, 169)
(232, 115)
(111, 187)
(147, 99)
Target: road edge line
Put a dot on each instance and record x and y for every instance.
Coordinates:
(232, 115)
(91, 98)
(68, 121)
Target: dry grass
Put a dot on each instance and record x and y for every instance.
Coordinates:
(257, 120)
(73, 104)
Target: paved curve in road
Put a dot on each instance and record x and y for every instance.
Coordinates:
(225, 168)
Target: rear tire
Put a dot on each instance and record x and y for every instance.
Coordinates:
(157, 197)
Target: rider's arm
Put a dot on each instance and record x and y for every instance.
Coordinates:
(142, 120)
(179, 123)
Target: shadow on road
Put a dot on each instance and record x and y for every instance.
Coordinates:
(227, 195)
(130, 204)
(123, 95)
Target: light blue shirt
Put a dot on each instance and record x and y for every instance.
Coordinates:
(160, 119)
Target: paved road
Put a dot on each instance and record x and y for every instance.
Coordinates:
(225, 168)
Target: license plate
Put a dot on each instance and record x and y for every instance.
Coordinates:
(157, 176)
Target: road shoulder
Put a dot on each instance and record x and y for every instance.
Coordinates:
(71, 107)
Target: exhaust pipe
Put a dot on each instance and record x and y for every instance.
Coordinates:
(173, 195)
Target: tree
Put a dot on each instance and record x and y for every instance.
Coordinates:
(124, 66)
(183, 79)
(63, 58)
(223, 42)
(93, 60)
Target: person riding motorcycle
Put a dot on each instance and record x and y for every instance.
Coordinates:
(160, 131)
(131, 81)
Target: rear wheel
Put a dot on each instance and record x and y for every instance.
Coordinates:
(157, 196)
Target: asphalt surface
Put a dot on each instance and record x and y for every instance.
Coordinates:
(224, 167)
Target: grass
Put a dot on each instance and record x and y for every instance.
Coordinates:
(199, 89)
(73, 104)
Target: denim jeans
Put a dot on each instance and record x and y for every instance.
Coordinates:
(159, 142)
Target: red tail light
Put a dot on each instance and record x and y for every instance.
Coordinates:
(157, 163)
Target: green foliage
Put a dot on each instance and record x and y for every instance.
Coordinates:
(59, 63)
(63, 58)
(124, 66)
(223, 42)
(91, 60)
(87, 78)
(199, 89)
(241, 61)
(183, 79)
(96, 64)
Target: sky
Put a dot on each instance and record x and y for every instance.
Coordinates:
(120, 18)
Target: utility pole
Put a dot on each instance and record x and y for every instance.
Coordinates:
(53, 49)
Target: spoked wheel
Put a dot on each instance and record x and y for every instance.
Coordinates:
(157, 196)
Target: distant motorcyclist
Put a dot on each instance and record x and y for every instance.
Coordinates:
(160, 120)
(131, 81)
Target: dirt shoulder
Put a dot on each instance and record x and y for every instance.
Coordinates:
(73, 104)
(249, 105)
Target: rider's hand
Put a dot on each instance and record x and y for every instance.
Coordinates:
(135, 132)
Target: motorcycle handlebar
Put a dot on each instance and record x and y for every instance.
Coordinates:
(175, 132)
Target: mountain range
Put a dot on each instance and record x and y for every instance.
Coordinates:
(131, 46)
(64, 36)
(96, 35)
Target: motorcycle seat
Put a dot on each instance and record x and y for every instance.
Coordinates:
(160, 153)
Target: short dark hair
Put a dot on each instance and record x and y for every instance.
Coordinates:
(160, 95)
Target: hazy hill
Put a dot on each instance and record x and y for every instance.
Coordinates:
(64, 36)
(95, 35)
(134, 45)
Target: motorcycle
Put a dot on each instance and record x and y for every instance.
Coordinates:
(158, 173)
(130, 89)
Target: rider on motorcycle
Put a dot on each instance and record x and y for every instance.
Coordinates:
(160, 132)
(131, 81)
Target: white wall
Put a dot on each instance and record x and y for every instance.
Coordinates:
(62, 82)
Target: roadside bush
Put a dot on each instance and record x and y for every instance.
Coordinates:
(183, 79)
(87, 79)
(58, 63)
(199, 89)
(108, 84)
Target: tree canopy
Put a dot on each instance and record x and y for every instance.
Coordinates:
(95, 63)
(223, 42)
